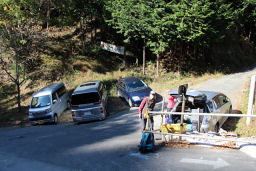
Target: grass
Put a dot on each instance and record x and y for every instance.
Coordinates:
(161, 84)
(241, 129)
(64, 60)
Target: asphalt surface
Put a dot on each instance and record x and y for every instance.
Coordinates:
(231, 84)
(112, 144)
(105, 145)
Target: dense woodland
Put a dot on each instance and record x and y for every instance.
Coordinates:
(185, 35)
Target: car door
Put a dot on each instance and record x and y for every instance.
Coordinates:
(62, 95)
(105, 95)
(56, 105)
(123, 90)
(102, 94)
(212, 109)
(223, 108)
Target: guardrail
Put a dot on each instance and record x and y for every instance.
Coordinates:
(206, 137)
(154, 113)
(162, 113)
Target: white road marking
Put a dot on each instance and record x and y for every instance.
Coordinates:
(219, 163)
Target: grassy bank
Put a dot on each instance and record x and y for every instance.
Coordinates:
(242, 129)
(161, 84)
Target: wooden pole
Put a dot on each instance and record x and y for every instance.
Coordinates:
(144, 59)
(163, 137)
(182, 116)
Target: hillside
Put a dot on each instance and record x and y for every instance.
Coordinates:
(61, 43)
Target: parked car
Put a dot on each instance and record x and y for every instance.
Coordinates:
(48, 104)
(89, 102)
(203, 102)
(133, 90)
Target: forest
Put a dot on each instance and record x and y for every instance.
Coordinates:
(182, 36)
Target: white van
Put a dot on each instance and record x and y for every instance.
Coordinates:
(48, 104)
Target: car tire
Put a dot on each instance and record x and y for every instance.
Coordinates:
(130, 102)
(55, 119)
(217, 127)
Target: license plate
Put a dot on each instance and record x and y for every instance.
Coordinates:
(40, 122)
(87, 113)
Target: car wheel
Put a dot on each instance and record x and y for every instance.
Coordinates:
(130, 102)
(55, 119)
(217, 127)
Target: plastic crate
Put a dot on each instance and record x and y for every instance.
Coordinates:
(175, 128)
(164, 129)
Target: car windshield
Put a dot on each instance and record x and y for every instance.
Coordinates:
(136, 85)
(40, 101)
(85, 98)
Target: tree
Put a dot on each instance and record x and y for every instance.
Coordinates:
(133, 19)
(17, 34)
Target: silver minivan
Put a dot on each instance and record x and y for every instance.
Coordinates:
(89, 101)
(48, 104)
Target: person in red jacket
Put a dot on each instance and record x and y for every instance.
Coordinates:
(147, 103)
(170, 105)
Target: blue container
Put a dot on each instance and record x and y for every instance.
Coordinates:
(189, 127)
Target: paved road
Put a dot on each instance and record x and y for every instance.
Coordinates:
(106, 145)
(231, 84)
(112, 144)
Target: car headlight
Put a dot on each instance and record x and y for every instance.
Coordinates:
(135, 98)
(48, 110)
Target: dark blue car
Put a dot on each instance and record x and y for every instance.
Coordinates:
(133, 90)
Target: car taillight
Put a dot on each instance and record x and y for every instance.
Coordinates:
(73, 113)
(96, 103)
(101, 110)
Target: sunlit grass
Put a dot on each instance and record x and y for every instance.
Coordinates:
(242, 129)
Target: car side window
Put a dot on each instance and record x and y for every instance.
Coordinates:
(101, 89)
(54, 97)
(217, 102)
(210, 106)
(61, 91)
(222, 99)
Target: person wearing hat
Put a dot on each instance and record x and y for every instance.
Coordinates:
(146, 105)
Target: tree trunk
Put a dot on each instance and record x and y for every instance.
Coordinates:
(144, 59)
(48, 15)
(17, 81)
(18, 98)
(157, 65)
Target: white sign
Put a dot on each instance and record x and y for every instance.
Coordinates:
(112, 48)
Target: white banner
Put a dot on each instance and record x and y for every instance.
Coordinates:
(112, 48)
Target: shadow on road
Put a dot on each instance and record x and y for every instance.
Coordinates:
(231, 122)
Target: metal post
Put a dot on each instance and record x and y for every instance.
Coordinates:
(163, 137)
(198, 124)
(144, 59)
(251, 99)
(182, 116)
